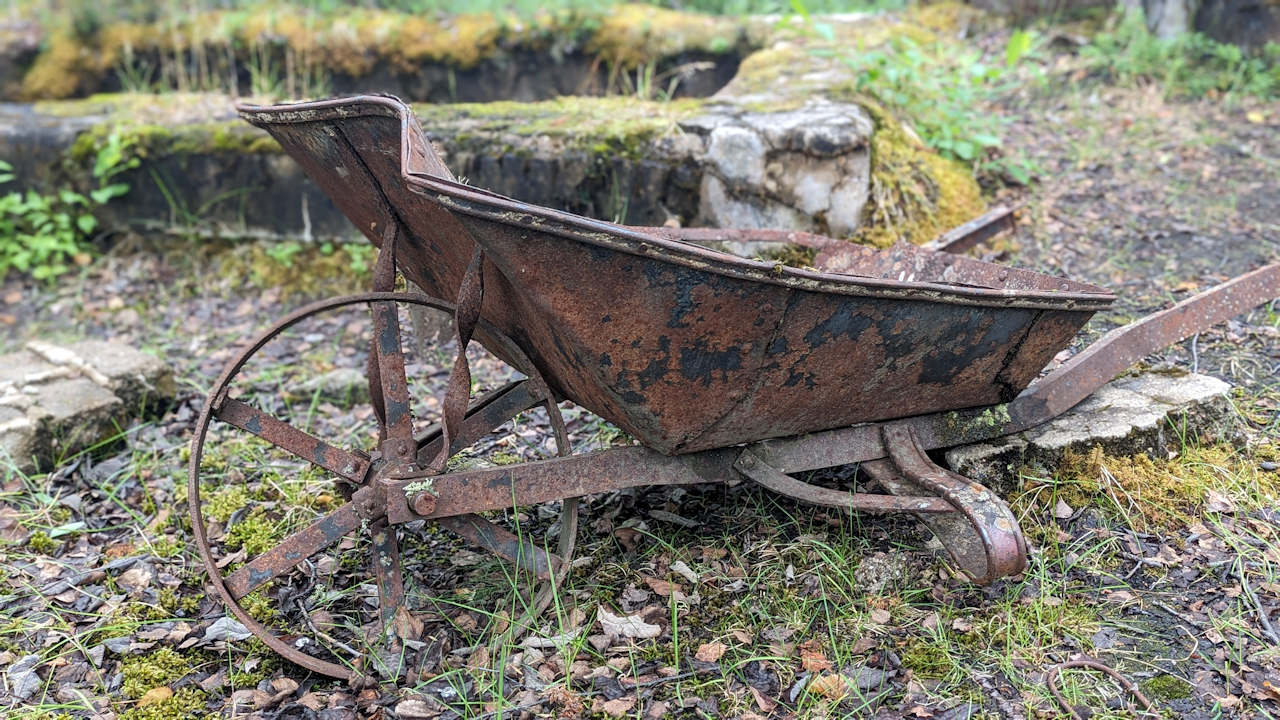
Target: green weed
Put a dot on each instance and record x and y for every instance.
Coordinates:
(45, 234)
(942, 88)
(1190, 65)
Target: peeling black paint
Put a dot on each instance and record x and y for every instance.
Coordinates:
(657, 368)
(701, 362)
(396, 411)
(389, 338)
(844, 321)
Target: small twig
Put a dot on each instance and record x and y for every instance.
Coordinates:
(1263, 621)
(1195, 353)
(1140, 562)
(1051, 679)
(306, 618)
(1177, 614)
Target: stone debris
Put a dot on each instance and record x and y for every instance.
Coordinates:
(65, 398)
(805, 169)
(22, 679)
(1132, 414)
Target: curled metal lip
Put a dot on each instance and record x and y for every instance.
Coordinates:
(476, 202)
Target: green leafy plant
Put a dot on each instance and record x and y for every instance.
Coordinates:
(1189, 65)
(941, 90)
(283, 253)
(44, 234)
(360, 256)
(40, 234)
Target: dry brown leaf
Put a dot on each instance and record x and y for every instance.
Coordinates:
(406, 626)
(880, 616)
(1219, 503)
(663, 588)
(619, 707)
(11, 530)
(710, 652)
(479, 659)
(683, 570)
(155, 695)
(829, 686)
(762, 701)
(631, 626)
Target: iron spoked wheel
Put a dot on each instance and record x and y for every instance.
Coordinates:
(293, 534)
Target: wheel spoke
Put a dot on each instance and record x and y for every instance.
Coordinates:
(386, 568)
(396, 416)
(291, 439)
(499, 541)
(294, 549)
(484, 415)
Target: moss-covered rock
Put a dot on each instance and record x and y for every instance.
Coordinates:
(915, 193)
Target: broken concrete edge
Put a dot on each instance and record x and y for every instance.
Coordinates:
(1152, 413)
(57, 400)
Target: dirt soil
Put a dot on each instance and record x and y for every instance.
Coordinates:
(741, 604)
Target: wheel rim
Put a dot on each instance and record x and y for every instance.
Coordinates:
(339, 463)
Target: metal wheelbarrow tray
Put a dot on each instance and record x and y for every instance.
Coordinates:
(721, 367)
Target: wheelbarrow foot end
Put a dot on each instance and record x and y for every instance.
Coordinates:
(981, 535)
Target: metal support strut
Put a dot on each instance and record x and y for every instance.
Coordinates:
(974, 524)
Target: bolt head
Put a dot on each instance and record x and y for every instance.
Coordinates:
(424, 503)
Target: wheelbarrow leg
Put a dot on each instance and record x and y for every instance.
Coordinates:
(982, 536)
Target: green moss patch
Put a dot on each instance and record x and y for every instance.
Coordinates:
(185, 703)
(916, 194)
(256, 534)
(202, 49)
(144, 672)
(1156, 493)
(606, 125)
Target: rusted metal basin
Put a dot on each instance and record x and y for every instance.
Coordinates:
(684, 347)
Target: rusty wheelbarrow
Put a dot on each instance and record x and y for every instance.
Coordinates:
(722, 368)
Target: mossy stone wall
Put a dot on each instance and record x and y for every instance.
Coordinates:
(467, 58)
